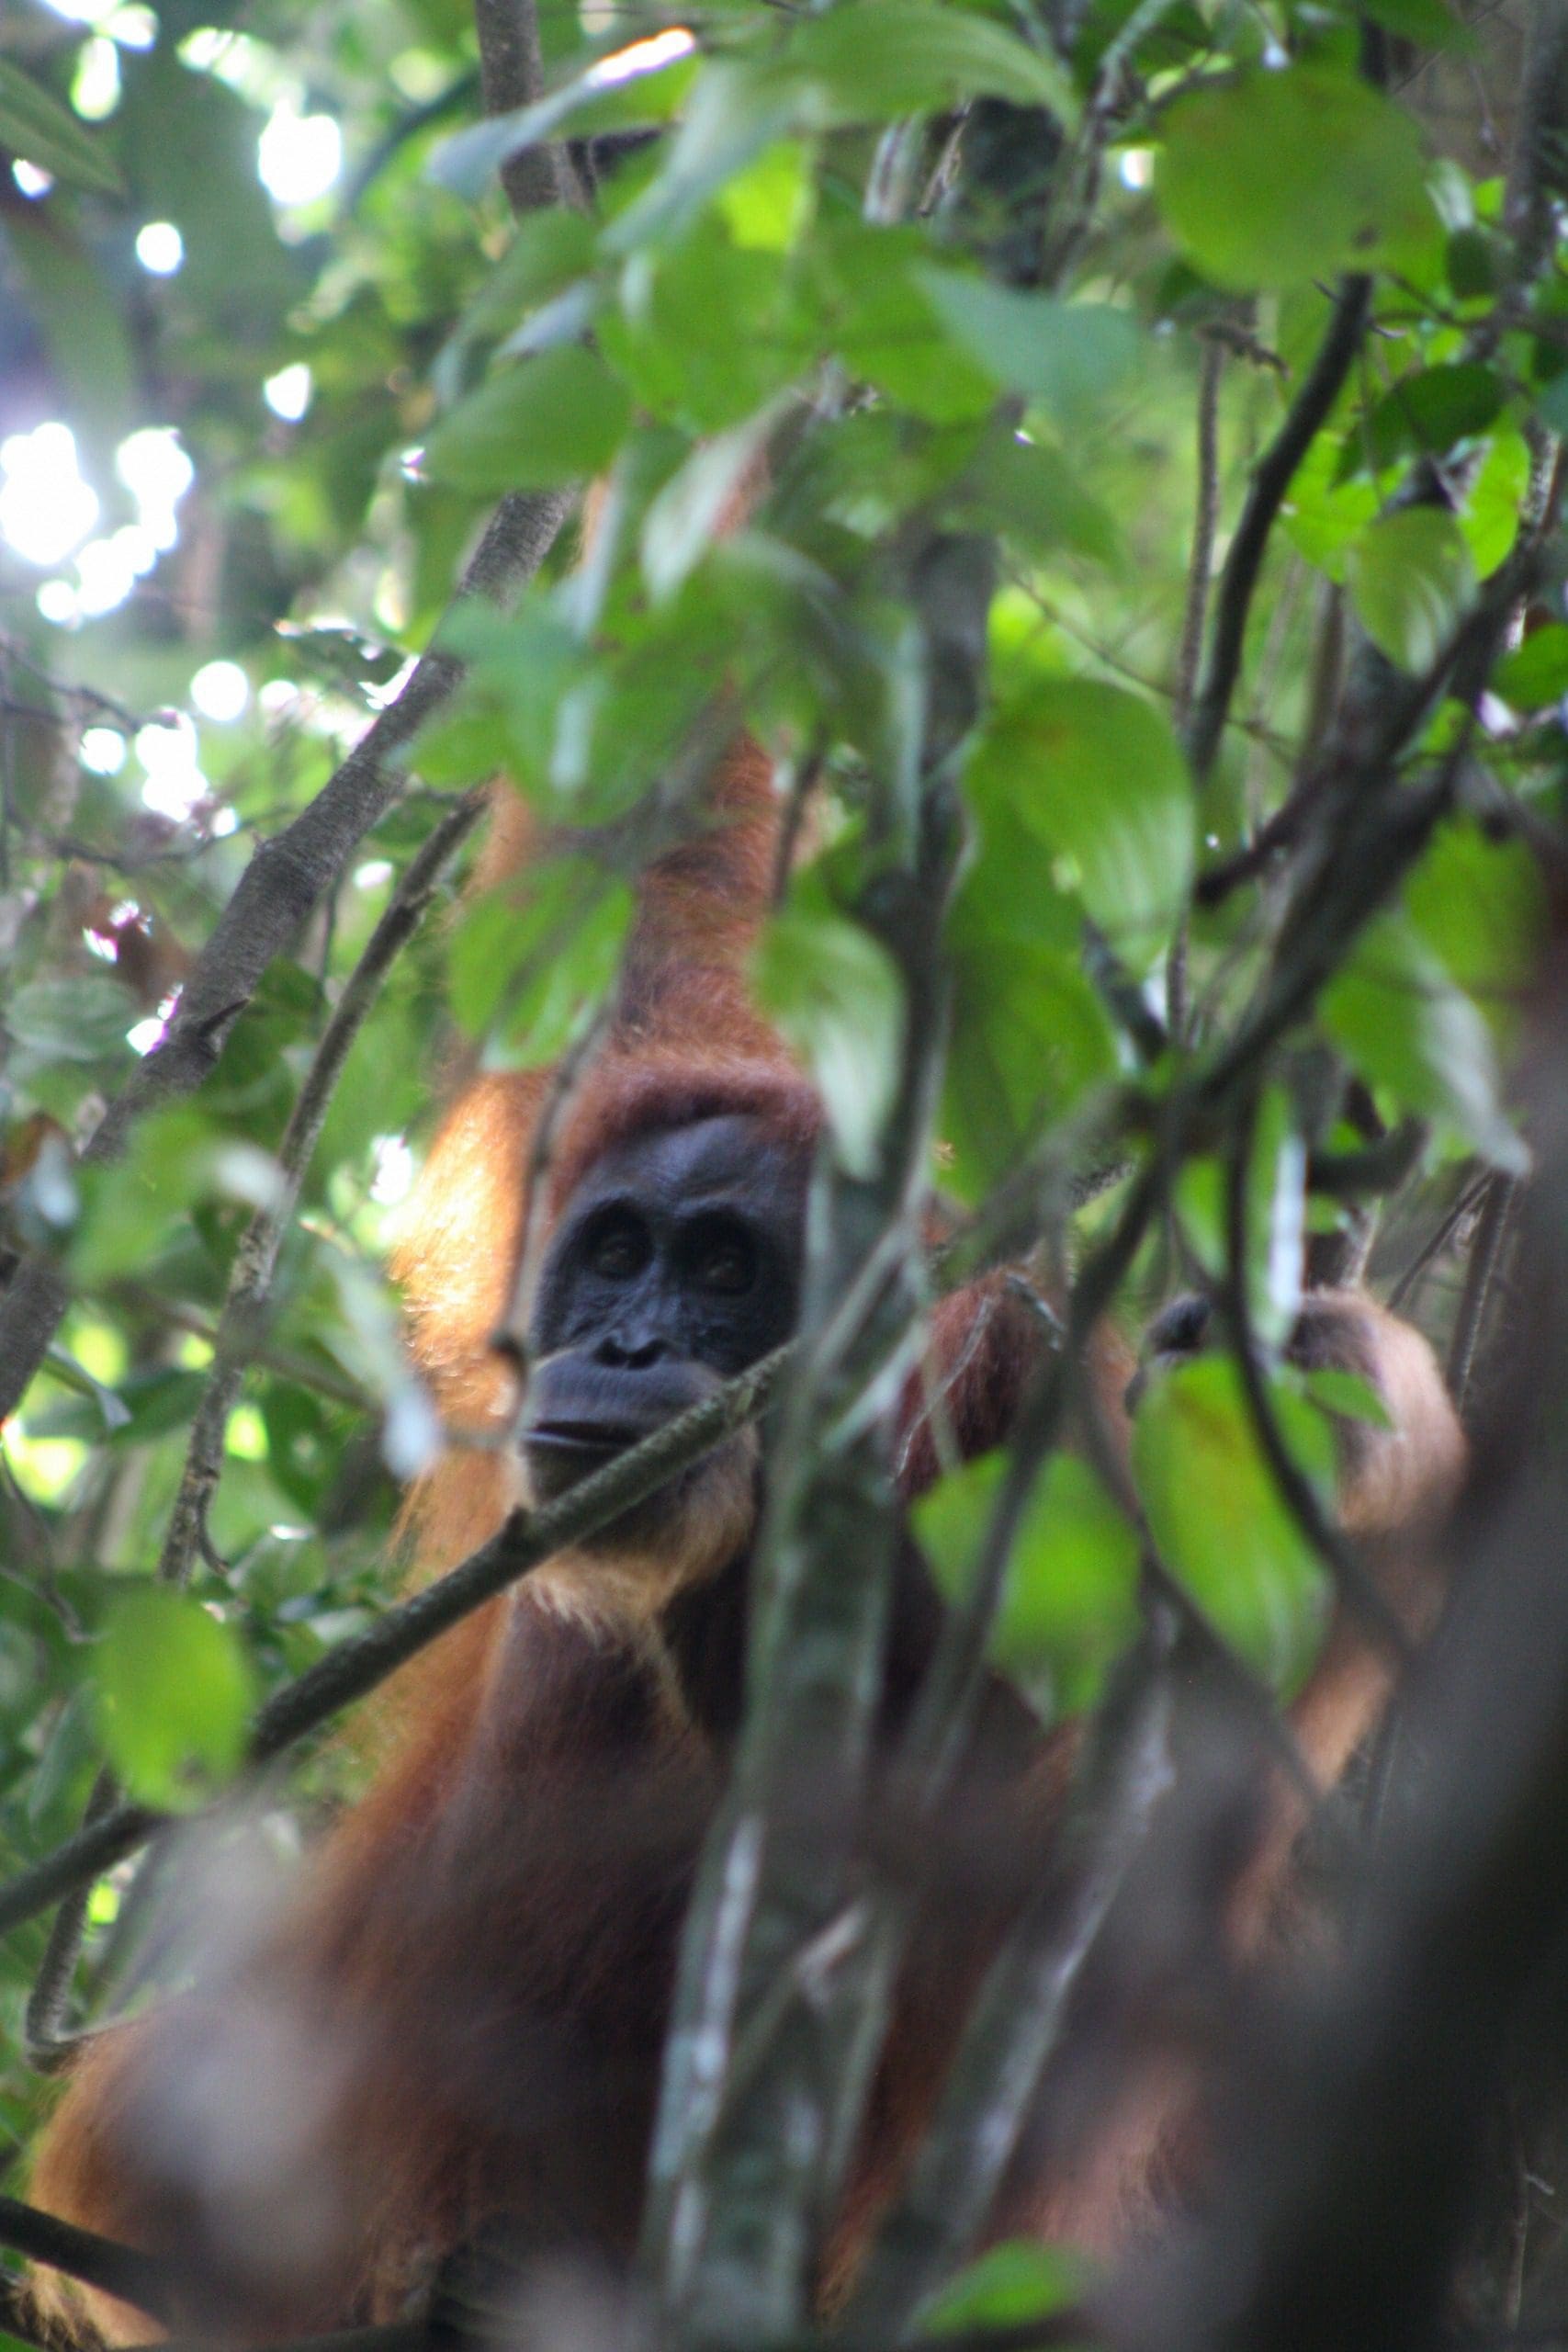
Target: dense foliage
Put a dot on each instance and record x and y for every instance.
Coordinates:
(1146, 447)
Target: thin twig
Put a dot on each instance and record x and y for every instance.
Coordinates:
(1486, 1251)
(1211, 370)
(1319, 389)
(249, 1293)
(46, 2042)
(1437, 1241)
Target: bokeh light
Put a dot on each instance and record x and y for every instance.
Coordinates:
(166, 748)
(102, 749)
(288, 393)
(220, 690)
(159, 248)
(298, 157)
(46, 508)
(95, 86)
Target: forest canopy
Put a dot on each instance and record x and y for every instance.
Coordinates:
(1109, 453)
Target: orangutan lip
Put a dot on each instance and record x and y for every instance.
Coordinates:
(584, 1437)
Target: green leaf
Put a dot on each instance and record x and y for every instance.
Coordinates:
(1406, 1026)
(1475, 264)
(596, 101)
(35, 126)
(1429, 23)
(1324, 514)
(766, 206)
(684, 518)
(1429, 409)
(708, 332)
(1217, 1516)
(523, 971)
(81, 1019)
(1411, 577)
(837, 996)
(886, 326)
(1071, 356)
(1493, 498)
(1481, 905)
(735, 111)
(550, 252)
(1030, 1039)
(1034, 495)
(555, 419)
(1097, 775)
(1346, 1394)
(872, 61)
(1282, 176)
(1536, 674)
(109, 1412)
(1069, 1605)
(1005, 2286)
(132, 1212)
(174, 1692)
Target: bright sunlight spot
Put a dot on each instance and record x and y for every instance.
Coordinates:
(45, 1467)
(157, 472)
(394, 1170)
(1137, 166)
(144, 1034)
(298, 157)
(288, 393)
(46, 508)
(102, 749)
(134, 27)
(107, 569)
(31, 178)
(94, 88)
(167, 749)
(220, 690)
(159, 248)
(643, 57)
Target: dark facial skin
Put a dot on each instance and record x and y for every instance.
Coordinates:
(676, 1265)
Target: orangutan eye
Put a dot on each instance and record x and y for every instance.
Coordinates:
(618, 1249)
(724, 1259)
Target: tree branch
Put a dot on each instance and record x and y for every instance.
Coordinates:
(357, 1666)
(1319, 389)
(114, 2269)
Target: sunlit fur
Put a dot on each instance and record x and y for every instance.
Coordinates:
(458, 2014)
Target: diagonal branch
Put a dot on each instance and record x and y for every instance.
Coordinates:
(357, 1667)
